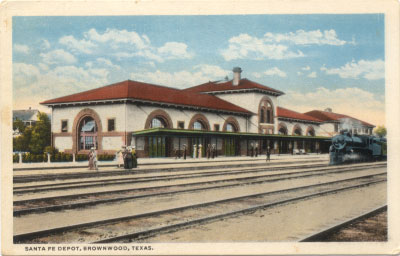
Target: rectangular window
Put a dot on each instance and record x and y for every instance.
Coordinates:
(216, 127)
(181, 125)
(64, 126)
(111, 125)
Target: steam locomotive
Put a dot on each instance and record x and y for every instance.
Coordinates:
(356, 148)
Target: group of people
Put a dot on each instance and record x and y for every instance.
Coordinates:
(127, 158)
(211, 151)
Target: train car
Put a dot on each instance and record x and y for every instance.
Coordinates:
(356, 148)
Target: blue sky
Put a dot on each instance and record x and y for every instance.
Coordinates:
(319, 61)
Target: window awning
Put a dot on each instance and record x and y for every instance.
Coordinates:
(89, 126)
(201, 133)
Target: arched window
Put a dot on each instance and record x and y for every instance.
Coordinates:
(282, 131)
(266, 111)
(269, 113)
(87, 133)
(262, 116)
(197, 125)
(297, 132)
(157, 123)
(230, 128)
(310, 132)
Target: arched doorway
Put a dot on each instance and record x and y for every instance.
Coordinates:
(87, 134)
(231, 145)
(159, 146)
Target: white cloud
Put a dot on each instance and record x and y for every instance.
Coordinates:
(21, 48)
(312, 75)
(245, 46)
(124, 44)
(43, 66)
(352, 101)
(75, 45)
(183, 79)
(370, 70)
(29, 82)
(270, 72)
(116, 36)
(174, 50)
(45, 44)
(306, 68)
(23, 69)
(299, 73)
(301, 37)
(58, 56)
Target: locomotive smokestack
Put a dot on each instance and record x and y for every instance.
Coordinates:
(236, 76)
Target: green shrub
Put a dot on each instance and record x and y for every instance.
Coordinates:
(15, 158)
(81, 157)
(105, 157)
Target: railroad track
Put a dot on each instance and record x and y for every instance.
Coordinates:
(132, 180)
(90, 174)
(320, 236)
(58, 203)
(149, 224)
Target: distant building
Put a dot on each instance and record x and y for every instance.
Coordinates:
(333, 123)
(28, 116)
(236, 117)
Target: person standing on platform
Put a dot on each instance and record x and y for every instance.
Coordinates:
(268, 155)
(134, 158)
(208, 151)
(120, 158)
(95, 161)
(91, 159)
(184, 152)
(200, 154)
(256, 150)
(251, 149)
(194, 151)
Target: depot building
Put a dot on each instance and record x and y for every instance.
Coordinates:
(236, 117)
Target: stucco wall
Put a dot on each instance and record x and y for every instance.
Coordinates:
(251, 102)
(63, 143)
(116, 111)
(112, 143)
(137, 115)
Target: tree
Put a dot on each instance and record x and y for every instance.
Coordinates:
(380, 131)
(41, 134)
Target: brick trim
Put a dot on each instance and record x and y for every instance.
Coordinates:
(310, 128)
(262, 105)
(87, 112)
(159, 113)
(297, 127)
(199, 117)
(233, 121)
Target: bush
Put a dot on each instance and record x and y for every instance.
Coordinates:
(33, 158)
(15, 158)
(81, 157)
(105, 157)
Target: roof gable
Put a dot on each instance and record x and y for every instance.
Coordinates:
(149, 92)
(331, 116)
(25, 115)
(244, 84)
(287, 113)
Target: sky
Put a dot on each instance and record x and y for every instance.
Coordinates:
(318, 61)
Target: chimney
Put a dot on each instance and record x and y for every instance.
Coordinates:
(328, 110)
(236, 76)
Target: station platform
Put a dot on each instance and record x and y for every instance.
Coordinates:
(152, 163)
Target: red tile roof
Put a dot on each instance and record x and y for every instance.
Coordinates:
(330, 116)
(228, 86)
(149, 92)
(286, 113)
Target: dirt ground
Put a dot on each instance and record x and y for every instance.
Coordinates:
(372, 229)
